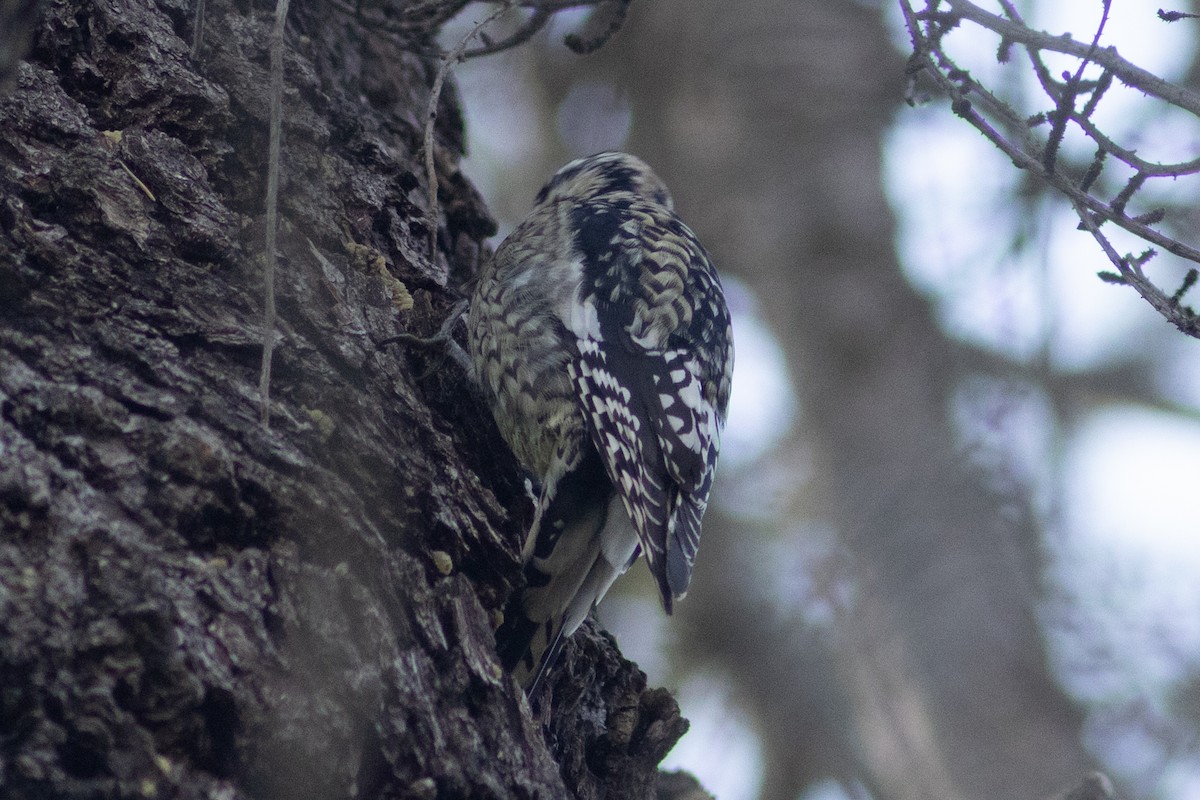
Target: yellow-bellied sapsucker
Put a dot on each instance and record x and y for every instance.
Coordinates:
(601, 339)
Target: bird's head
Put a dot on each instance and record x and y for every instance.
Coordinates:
(597, 176)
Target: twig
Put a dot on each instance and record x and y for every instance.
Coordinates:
(535, 23)
(1066, 103)
(276, 136)
(1130, 157)
(1026, 161)
(1011, 132)
(442, 338)
(138, 181)
(1133, 275)
(1175, 16)
(1106, 57)
(451, 58)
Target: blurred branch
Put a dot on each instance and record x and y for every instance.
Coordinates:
(535, 23)
(1127, 382)
(604, 21)
(1175, 16)
(1015, 30)
(1074, 101)
(1093, 786)
(599, 27)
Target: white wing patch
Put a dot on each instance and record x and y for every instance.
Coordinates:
(626, 446)
(581, 318)
(658, 439)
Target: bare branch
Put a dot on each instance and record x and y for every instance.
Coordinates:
(601, 25)
(1130, 73)
(1131, 272)
(1175, 16)
(1035, 147)
(542, 11)
(523, 34)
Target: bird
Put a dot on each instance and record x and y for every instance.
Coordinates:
(600, 338)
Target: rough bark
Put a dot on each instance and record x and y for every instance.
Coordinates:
(193, 605)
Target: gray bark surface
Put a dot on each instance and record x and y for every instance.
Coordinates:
(193, 605)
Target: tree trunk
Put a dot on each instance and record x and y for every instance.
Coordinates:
(195, 605)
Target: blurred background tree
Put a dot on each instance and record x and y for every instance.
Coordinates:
(954, 547)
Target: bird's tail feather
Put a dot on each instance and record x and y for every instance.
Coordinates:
(584, 540)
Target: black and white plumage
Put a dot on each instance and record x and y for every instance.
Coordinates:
(601, 338)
